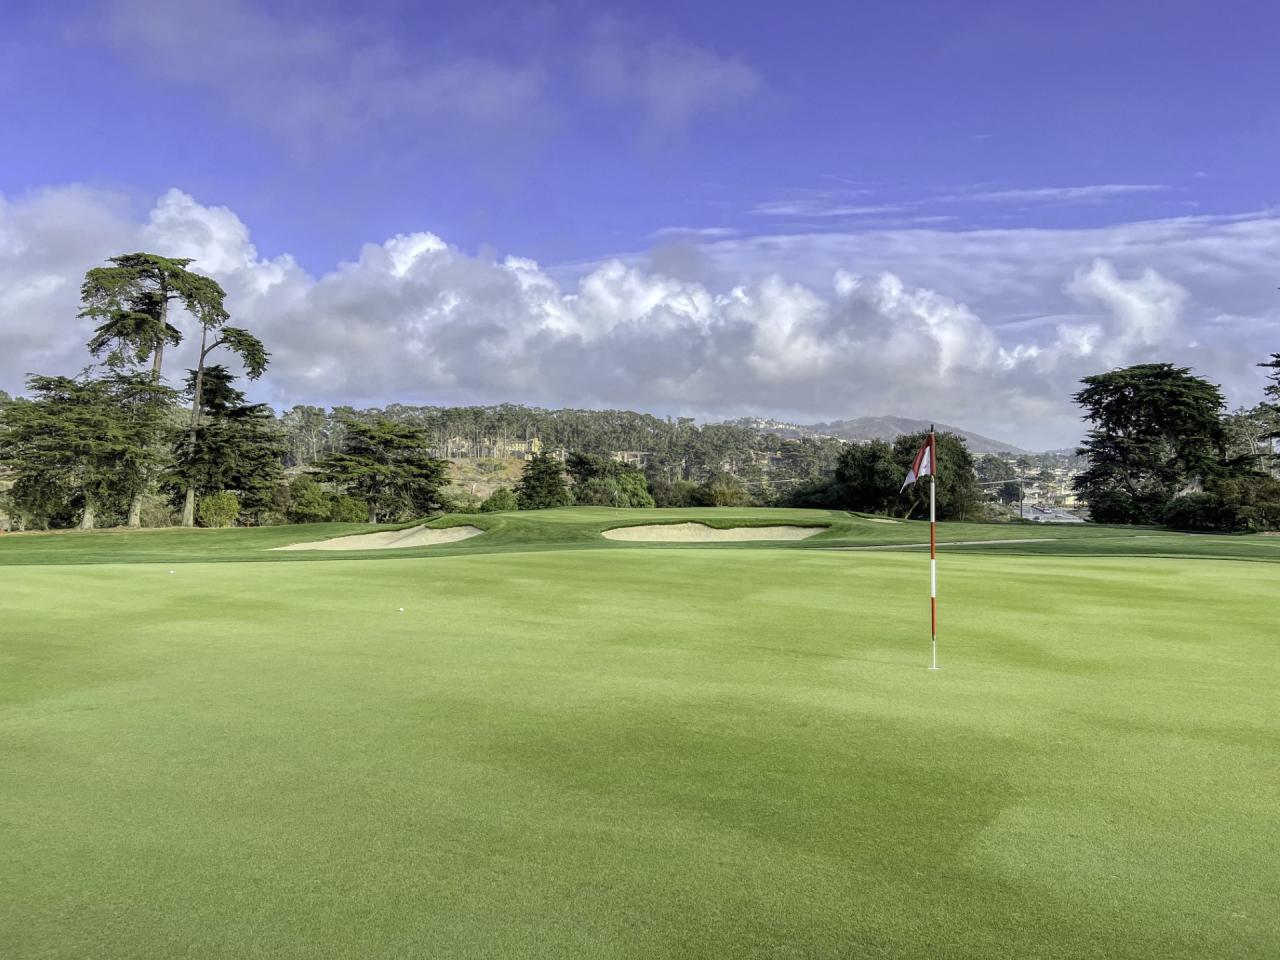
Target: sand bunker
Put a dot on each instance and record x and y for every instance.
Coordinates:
(390, 539)
(879, 520)
(700, 533)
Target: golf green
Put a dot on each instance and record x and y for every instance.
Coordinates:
(637, 751)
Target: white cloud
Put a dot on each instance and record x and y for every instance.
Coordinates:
(672, 80)
(1090, 193)
(305, 77)
(693, 233)
(1145, 310)
(819, 208)
(311, 78)
(906, 322)
(952, 336)
(822, 204)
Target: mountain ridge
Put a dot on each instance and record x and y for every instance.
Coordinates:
(876, 428)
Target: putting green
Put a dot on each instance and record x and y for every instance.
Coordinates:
(633, 751)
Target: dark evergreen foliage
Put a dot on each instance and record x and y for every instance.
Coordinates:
(130, 302)
(868, 479)
(238, 447)
(388, 466)
(1157, 432)
(542, 485)
(605, 482)
(81, 445)
(500, 501)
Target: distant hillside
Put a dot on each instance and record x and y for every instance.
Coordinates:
(874, 428)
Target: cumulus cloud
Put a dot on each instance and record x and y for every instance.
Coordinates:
(1146, 309)
(414, 319)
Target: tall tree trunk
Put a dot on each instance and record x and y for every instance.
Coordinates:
(135, 520)
(135, 504)
(373, 513)
(189, 503)
(135, 511)
(189, 507)
(89, 516)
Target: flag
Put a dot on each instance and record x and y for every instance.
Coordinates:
(926, 465)
(923, 465)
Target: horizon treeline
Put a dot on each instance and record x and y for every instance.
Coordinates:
(118, 444)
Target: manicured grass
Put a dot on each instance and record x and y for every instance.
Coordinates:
(579, 527)
(629, 751)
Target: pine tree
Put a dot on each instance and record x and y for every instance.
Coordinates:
(1272, 390)
(238, 446)
(868, 477)
(83, 439)
(130, 300)
(542, 484)
(387, 465)
(1157, 432)
(254, 357)
(958, 495)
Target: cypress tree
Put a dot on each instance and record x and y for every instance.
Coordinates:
(387, 465)
(542, 484)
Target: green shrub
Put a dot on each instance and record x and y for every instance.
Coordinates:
(218, 509)
(158, 514)
(634, 489)
(457, 500)
(1202, 511)
(1232, 504)
(597, 492)
(723, 491)
(345, 509)
(673, 493)
(624, 490)
(501, 500)
(307, 502)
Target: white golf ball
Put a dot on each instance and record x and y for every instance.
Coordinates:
(402, 609)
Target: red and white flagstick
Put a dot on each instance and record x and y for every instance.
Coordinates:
(933, 544)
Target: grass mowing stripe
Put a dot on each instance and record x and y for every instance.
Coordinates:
(640, 752)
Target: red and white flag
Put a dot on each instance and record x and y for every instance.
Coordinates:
(926, 465)
(923, 465)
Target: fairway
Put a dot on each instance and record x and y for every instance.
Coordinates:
(566, 747)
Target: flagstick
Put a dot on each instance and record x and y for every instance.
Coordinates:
(933, 545)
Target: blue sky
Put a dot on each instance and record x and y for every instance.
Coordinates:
(1032, 166)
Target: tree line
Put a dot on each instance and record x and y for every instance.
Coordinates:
(120, 444)
(117, 444)
(672, 448)
(868, 479)
(98, 448)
